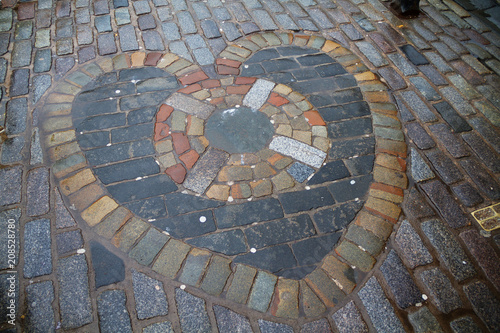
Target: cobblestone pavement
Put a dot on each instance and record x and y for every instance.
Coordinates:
(249, 166)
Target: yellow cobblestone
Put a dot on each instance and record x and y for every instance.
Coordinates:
(96, 212)
(77, 181)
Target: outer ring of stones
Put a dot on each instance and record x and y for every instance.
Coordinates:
(300, 140)
(332, 280)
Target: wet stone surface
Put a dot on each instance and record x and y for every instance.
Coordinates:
(194, 142)
(240, 130)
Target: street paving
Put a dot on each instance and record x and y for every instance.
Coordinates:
(249, 166)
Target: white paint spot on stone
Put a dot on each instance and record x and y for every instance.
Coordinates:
(424, 297)
(353, 182)
(418, 304)
(230, 199)
(151, 220)
(464, 262)
(108, 145)
(203, 219)
(157, 287)
(138, 178)
(253, 250)
(117, 91)
(80, 251)
(183, 286)
(308, 188)
(230, 183)
(246, 66)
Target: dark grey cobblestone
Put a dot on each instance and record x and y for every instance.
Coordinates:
(483, 151)
(480, 176)
(320, 325)
(150, 298)
(404, 289)
(152, 41)
(3, 69)
(272, 327)
(453, 144)
(419, 136)
(113, 314)
(412, 248)
(467, 194)
(487, 131)
(10, 185)
(424, 321)
(24, 30)
(425, 88)
(373, 55)
(19, 84)
(229, 321)
(441, 291)
(64, 46)
(103, 23)
(63, 217)
(351, 32)
(413, 55)
(128, 39)
(69, 241)
(39, 313)
(12, 150)
(108, 267)
(141, 7)
(43, 61)
(40, 83)
(186, 22)
(349, 319)
(484, 303)
(74, 299)
(38, 192)
(162, 327)
(230, 30)
(444, 166)
(465, 325)
(457, 123)
(210, 29)
(415, 103)
(449, 251)
(445, 203)
(122, 16)
(192, 312)
(37, 248)
(379, 309)
(308, 25)
(420, 170)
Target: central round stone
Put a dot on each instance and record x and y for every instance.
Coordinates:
(239, 130)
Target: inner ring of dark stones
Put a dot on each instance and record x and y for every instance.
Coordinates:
(239, 130)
